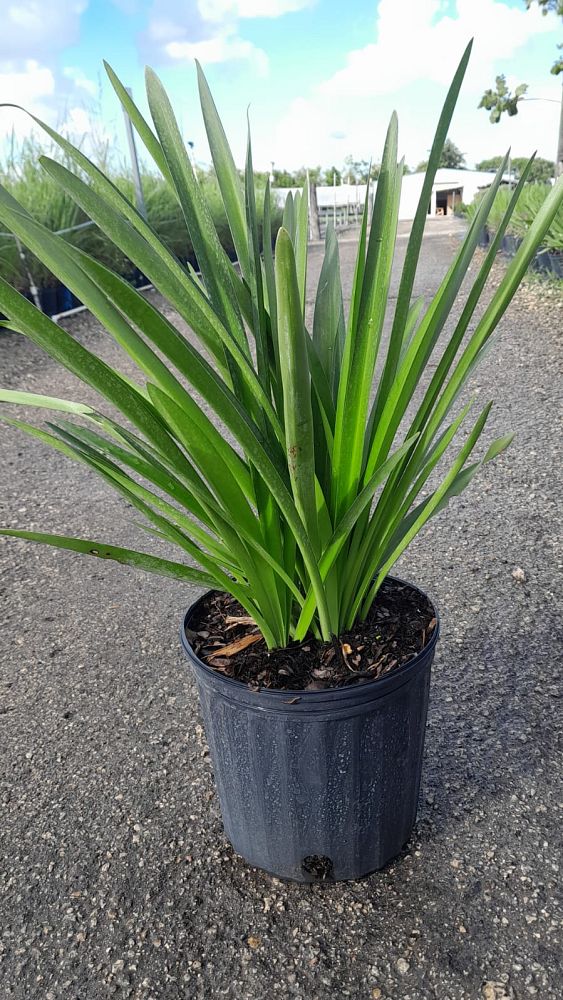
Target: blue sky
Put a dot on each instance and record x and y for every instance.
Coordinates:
(321, 76)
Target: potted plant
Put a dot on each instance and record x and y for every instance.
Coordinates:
(292, 503)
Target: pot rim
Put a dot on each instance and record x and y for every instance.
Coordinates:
(379, 686)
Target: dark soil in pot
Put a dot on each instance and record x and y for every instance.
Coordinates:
(399, 625)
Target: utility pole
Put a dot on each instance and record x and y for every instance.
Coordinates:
(190, 146)
(314, 211)
(559, 160)
(139, 197)
(334, 198)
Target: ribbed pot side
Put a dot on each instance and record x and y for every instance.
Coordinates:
(317, 785)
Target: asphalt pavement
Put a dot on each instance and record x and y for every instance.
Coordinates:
(115, 876)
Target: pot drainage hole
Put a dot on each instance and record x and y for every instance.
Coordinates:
(317, 865)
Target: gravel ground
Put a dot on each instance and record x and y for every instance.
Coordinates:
(116, 879)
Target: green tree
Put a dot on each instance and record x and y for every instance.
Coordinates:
(296, 178)
(331, 175)
(283, 179)
(360, 170)
(451, 156)
(541, 172)
(502, 101)
(493, 163)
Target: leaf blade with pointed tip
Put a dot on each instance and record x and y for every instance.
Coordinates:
(127, 557)
(298, 416)
(227, 175)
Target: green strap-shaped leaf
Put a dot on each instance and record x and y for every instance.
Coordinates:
(395, 501)
(128, 557)
(177, 348)
(270, 290)
(301, 241)
(417, 231)
(459, 484)
(424, 412)
(354, 391)
(46, 402)
(357, 285)
(288, 220)
(437, 496)
(142, 127)
(138, 497)
(264, 352)
(473, 298)
(114, 216)
(269, 265)
(59, 344)
(342, 533)
(205, 447)
(208, 250)
(497, 447)
(203, 320)
(391, 405)
(63, 260)
(415, 355)
(328, 324)
(227, 174)
(499, 302)
(149, 469)
(298, 417)
(148, 253)
(74, 443)
(266, 360)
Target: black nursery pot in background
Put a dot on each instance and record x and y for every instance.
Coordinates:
(317, 785)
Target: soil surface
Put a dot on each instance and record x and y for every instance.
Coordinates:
(400, 623)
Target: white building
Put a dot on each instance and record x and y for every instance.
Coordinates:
(450, 188)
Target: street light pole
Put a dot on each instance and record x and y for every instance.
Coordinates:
(139, 197)
(559, 160)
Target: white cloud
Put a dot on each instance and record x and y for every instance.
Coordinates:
(31, 86)
(218, 49)
(415, 43)
(86, 129)
(33, 36)
(80, 80)
(35, 29)
(218, 10)
(77, 122)
(27, 85)
(409, 66)
(208, 30)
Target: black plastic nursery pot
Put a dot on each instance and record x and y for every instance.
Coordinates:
(484, 237)
(317, 785)
(556, 262)
(541, 261)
